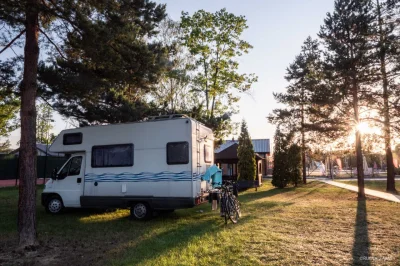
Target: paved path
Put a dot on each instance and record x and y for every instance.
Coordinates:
(11, 182)
(366, 179)
(370, 192)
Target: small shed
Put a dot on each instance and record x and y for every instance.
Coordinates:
(226, 158)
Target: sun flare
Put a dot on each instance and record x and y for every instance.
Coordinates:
(365, 128)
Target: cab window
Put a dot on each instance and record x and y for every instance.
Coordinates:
(72, 168)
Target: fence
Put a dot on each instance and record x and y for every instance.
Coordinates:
(44, 166)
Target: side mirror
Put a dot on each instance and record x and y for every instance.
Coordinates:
(54, 173)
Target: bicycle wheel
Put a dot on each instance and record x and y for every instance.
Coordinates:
(233, 209)
(225, 208)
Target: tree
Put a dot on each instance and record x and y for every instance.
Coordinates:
(386, 53)
(104, 44)
(9, 103)
(44, 118)
(287, 160)
(214, 39)
(304, 77)
(294, 163)
(173, 93)
(245, 153)
(345, 34)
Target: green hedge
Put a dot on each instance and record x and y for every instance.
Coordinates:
(9, 166)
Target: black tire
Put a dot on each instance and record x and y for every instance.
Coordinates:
(54, 205)
(225, 208)
(167, 211)
(233, 210)
(141, 211)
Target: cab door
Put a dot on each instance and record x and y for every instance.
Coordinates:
(69, 181)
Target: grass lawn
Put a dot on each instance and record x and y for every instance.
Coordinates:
(313, 224)
(372, 184)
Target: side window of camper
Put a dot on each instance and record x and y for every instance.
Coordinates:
(207, 154)
(72, 138)
(73, 167)
(178, 152)
(112, 155)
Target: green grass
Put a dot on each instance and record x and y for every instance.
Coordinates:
(313, 224)
(379, 185)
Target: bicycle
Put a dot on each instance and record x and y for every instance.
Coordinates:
(230, 205)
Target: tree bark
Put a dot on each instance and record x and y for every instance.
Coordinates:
(390, 184)
(303, 145)
(27, 152)
(360, 167)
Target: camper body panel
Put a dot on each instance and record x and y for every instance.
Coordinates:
(150, 178)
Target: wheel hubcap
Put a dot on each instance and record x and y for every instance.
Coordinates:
(140, 210)
(55, 205)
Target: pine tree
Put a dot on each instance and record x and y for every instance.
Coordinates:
(9, 103)
(304, 78)
(386, 29)
(280, 173)
(109, 35)
(346, 34)
(246, 156)
(287, 160)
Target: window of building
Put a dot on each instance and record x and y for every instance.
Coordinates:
(178, 152)
(112, 155)
(72, 138)
(207, 154)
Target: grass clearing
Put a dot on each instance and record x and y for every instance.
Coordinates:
(312, 224)
(379, 185)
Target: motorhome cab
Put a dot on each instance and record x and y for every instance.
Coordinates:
(152, 165)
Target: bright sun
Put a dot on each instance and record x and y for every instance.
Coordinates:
(363, 127)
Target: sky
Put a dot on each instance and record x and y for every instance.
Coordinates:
(276, 30)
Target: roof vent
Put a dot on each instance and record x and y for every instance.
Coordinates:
(166, 117)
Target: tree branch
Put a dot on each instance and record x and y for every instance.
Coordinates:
(12, 41)
(48, 38)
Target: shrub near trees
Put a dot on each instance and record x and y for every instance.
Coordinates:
(287, 160)
(245, 153)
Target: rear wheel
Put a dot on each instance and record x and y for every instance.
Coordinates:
(141, 211)
(54, 205)
(234, 210)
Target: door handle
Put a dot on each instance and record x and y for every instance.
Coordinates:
(79, 180)
(95, 184)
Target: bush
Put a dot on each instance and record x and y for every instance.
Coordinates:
(245, 153)
(287, 161)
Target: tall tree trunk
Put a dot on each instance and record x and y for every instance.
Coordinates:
(390, 184)
(303, 146)
(359, 156)
(27, 153)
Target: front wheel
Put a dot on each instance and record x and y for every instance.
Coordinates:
(54, 205)
(141, 211)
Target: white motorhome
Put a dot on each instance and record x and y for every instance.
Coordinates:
(152, 165)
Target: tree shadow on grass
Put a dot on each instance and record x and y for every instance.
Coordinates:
(361, 251)
(309, 188)
(171, 242)
(252, 196)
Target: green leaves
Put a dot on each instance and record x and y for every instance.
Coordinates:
(214, 40)
(111, 61)
(287, 160)
(246, 156)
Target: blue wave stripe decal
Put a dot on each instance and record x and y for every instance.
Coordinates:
(142, 177)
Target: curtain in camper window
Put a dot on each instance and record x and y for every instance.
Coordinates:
(178, 153)
(112, 155)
